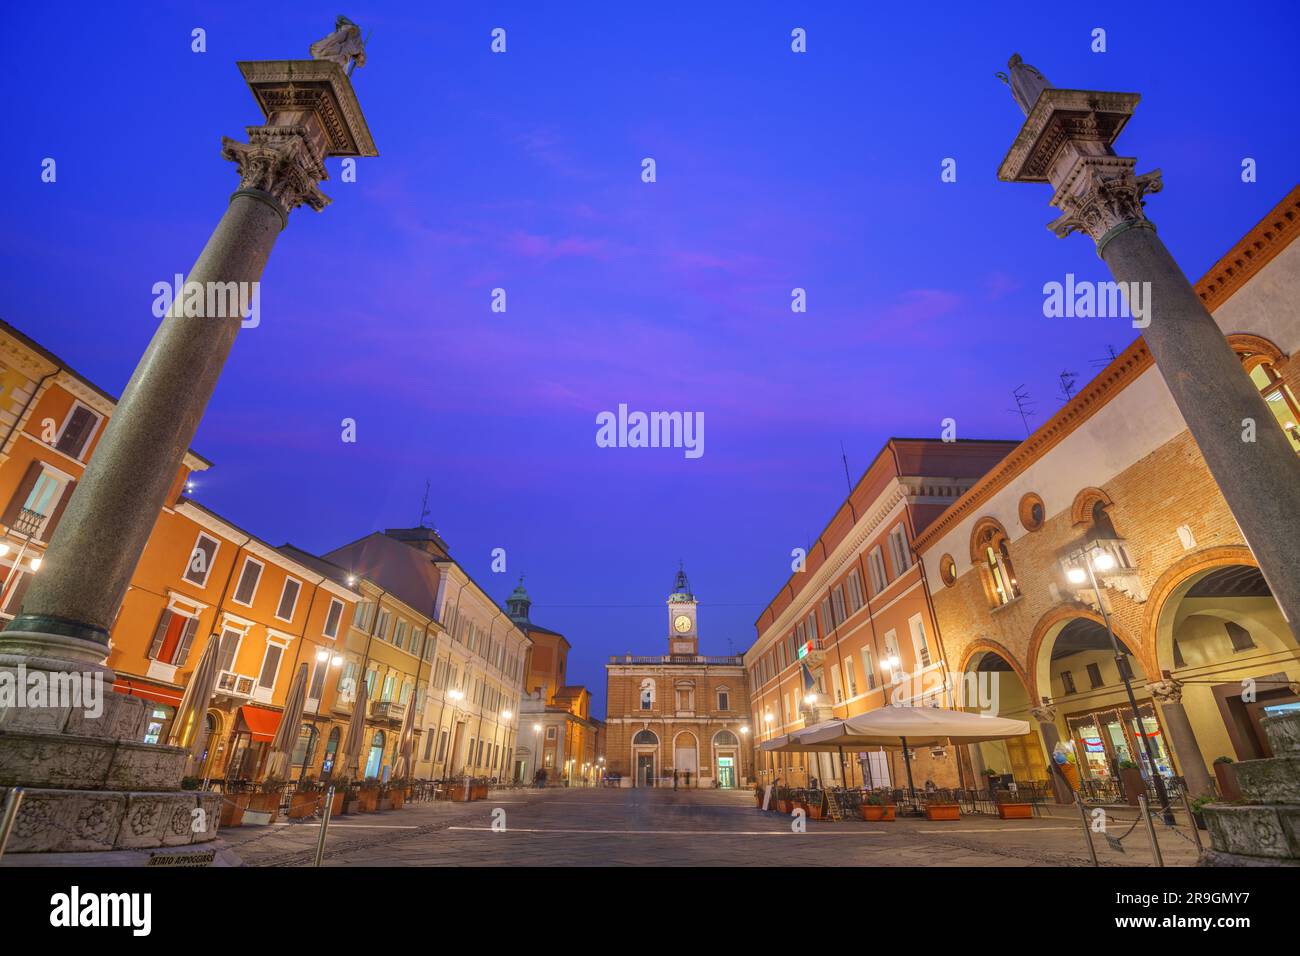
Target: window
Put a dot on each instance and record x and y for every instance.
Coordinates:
(647, 694)
(201, 558)
(361, 616)
(442, 745)
(724, 700)
(876, 569)
(1094, 675)
(288, 599)
(685, 698)
(854, 585)
(1240, 637)
(850, 678)
(948, 570)
(550, 732)
(78, 428)
(1281, 400)
(389, 682)
(1067, 682)
(172, 638)
(869, 668)
(399, 634)
(828, 623)
(248, 581)
(270, 666)
(893, 662)
(381, 625)
(837, 604)
(812, 627)
(332, 618)
(38, 502)
(920, 647)
(990, 544)
(347, 689)
(305, 747)
(645, 738)
(1032, 512)
(836, 686)
(318, 679)
(898, 551)
(780, 655)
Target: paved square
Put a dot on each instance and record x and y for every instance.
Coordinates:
(605, 827)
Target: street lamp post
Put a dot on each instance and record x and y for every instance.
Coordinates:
(537, 749)
(335, 660)
(1090, 556)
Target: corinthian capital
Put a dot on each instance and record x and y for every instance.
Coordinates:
(1101, 194)
(1167, 691)
(282, 162)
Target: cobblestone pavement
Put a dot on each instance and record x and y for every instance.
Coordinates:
(606, 827)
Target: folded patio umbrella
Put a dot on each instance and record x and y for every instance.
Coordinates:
(356, 730)
(286, 735)
(194, 703)
(404, 741)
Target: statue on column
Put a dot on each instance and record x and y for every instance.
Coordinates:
(344, 46)
(1025, 82)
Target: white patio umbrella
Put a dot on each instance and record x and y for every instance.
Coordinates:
(286, 735)
(356, 730)
(908, 727)
(404, 741)
(194, 703)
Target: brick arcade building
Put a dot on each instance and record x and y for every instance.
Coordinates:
(680, 712)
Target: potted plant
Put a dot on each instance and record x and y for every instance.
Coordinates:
(1011, 809)
(1226, 774)
(1130, 778)
(341, 790)
(264, 806)
(877, 807)
(784, 800)
(1199, 804)
(942, 811)
(815, 804)
(368, 796)
(991, 778)
(233, 806)
(305, 798)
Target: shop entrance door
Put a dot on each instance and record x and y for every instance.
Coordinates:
(645, 770)
(726, 773)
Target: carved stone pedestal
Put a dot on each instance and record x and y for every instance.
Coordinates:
(1264, 830)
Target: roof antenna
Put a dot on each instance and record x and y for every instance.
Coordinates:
(424, 505)
(1067, 384)
(1023, 403)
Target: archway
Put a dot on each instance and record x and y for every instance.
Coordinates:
(645, 750)
(1230, 657)
(686, 758)
(726, 760)
(993, 684)
(1081, 679)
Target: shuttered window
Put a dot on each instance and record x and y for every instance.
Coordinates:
(270, 666)
(248, 578)
(172, 638)
(288, 599)
(200, 561)
(78, 428)
(332, 619)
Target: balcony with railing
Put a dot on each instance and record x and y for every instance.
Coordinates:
(675, 659)
(389, 710)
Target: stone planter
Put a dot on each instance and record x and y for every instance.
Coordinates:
(396, 798)
(368, 800)
(942, 811)
(233, 806)
(1226, 776)
(1016, 811)
(874, 813)
(784, 806)
(340, 796)
(814, 810)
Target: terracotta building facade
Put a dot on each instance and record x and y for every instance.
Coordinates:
(1109, 505)
(682, 717)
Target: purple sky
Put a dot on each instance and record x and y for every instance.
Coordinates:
(522, 170)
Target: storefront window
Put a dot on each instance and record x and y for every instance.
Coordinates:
(1103, 742)
(158, 723)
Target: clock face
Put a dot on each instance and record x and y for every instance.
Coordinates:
(682, 623)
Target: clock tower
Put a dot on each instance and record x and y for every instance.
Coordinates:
(683, 637)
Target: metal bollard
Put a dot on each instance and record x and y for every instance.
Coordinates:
(324, 825)
(1191, 819)
(9, 817)
(1151, 830)
(1087, 830)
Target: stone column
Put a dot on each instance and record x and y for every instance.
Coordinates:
(1168, 693)
(91, 783)
(1067, 141)
(1046, 718)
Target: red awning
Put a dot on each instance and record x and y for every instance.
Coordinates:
(261, 723)
(158, 695)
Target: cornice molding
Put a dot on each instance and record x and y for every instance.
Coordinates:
(1257, 248)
